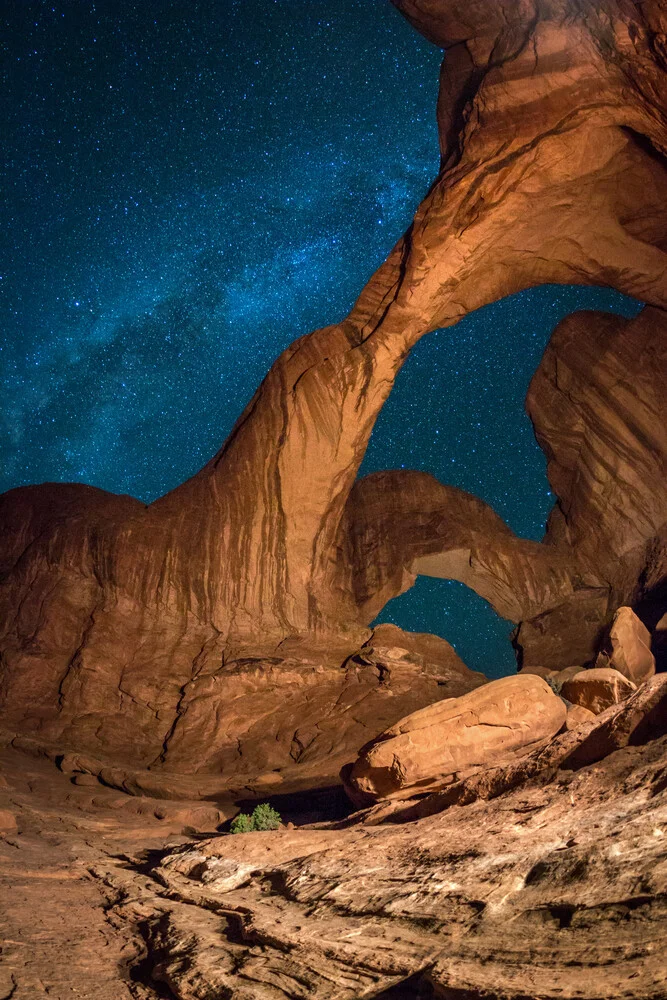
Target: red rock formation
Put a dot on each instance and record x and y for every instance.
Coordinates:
(116, 616)
(628, 649)
(598, 403)
(400, 524)
(597, 689)
(538, 882)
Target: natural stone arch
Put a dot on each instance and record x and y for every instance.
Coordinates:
(599, 410)
(402, 524)
(553, 170)
(533, 189)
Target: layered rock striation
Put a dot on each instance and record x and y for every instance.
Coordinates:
(541, 878)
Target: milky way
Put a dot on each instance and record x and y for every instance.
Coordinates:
(190, 187)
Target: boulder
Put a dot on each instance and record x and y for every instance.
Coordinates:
(641, 719)
(435, 743)
(628, 649)
(577, 715)
(597, 689)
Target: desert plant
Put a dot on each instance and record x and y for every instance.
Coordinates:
(242, 824)
(263, 818)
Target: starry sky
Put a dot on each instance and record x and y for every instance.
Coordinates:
(187, 188)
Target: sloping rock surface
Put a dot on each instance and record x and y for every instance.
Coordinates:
(552, 890)
(550, 883)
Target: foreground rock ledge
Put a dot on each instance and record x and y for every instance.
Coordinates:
(552, 891)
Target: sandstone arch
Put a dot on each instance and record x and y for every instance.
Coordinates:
(553, 170)
(597, 402)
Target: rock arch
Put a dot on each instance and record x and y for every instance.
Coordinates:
(553, 170)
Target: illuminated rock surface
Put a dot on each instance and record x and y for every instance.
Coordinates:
(433, 744)
(131, 632)
(541, 877)
(217, 642)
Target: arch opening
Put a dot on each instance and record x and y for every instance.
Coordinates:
(476, 437)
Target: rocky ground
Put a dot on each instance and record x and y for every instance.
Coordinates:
(58, 936)
(542, 877)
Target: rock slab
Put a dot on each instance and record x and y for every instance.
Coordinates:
(597, 689)
(436, 742)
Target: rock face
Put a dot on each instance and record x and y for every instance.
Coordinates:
(430, 746)
(599, 408)
(659, 642)
(244, 718)
(145, 633)
(526, 891)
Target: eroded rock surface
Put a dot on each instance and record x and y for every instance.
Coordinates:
(215, 643)
(287, 722)
(555, 889)
(598, 402)
(542, 877)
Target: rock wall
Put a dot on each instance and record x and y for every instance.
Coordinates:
(553, 140)
(598, 403)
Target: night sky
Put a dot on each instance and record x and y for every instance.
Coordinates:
(189, 187)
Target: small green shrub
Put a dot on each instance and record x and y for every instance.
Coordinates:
(242, 824)
(263, 818)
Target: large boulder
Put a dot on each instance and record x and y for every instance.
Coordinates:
(629, 647)
(597, 689)
(431, 745)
